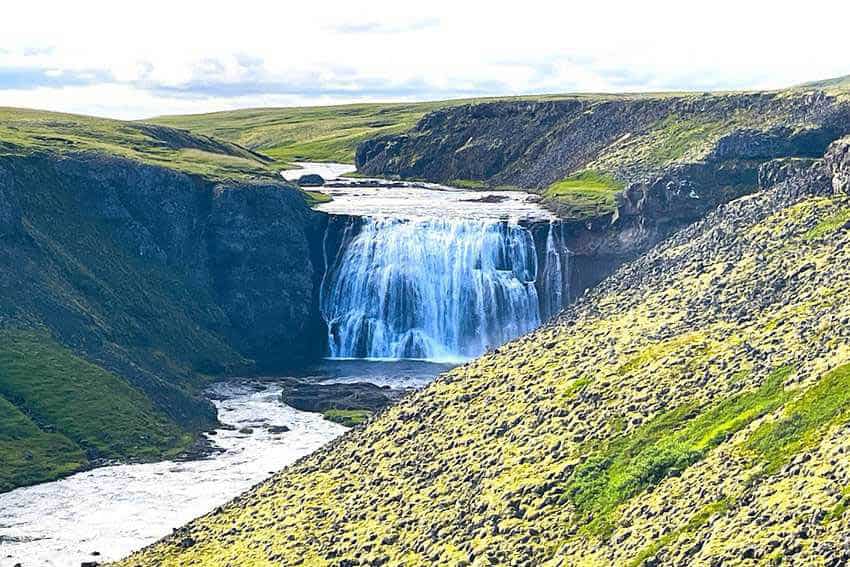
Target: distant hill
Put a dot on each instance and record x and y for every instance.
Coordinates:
(835, 83)
(321, 133)
(25, 131)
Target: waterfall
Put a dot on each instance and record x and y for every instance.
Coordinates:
(438, 289)
(555, 279)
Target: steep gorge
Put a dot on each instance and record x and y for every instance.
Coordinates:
(158, 280)
(689, 410)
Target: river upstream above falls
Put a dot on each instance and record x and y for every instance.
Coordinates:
(417, 271)
(381, 198)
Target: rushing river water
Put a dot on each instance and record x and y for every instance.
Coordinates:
(117, 509)
(380, 198)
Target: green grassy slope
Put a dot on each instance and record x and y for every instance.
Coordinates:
(29, 454)
(691, 410)
(69, 411)
(322, 133)
(23, 131)
(585, 194)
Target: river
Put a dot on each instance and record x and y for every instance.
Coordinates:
(106, 513)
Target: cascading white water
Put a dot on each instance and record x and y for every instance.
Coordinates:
(555, 279)
(437, 289)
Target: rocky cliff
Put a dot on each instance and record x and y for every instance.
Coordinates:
(624, 172)
(156, 277)
(690, 410)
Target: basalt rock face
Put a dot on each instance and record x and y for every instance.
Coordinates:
(157, 275)
(677, 157)
(10, 210)
(262, 245)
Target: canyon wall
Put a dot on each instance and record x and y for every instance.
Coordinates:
(669, 159)
(158, 275)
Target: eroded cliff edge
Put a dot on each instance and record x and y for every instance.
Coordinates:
(624, 171)
(139, 275)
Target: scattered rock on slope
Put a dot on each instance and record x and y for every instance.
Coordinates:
(691, 410)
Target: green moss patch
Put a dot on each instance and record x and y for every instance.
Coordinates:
(825, 404)
(467, 184)
(663, 447)
(585, 194)
(829, 225)
(317, 197)
(676, 137)
(348, 418)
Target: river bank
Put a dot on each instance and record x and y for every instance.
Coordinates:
(104, 514)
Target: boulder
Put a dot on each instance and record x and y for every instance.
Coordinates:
(319, 397)
(311, 180)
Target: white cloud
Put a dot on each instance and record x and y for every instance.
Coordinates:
(170, 57)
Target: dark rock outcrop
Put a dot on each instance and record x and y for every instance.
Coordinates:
(10, 210)
(158, 275)
(260, 242)
(318, 397)
(311, 180)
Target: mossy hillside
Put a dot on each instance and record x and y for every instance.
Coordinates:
(679, 138)
(24, 131)
(96, 409)
(663, 380)
(29, 454)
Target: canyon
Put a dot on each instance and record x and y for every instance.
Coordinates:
(169, 260)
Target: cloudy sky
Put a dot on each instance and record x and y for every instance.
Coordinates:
(135, 60)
